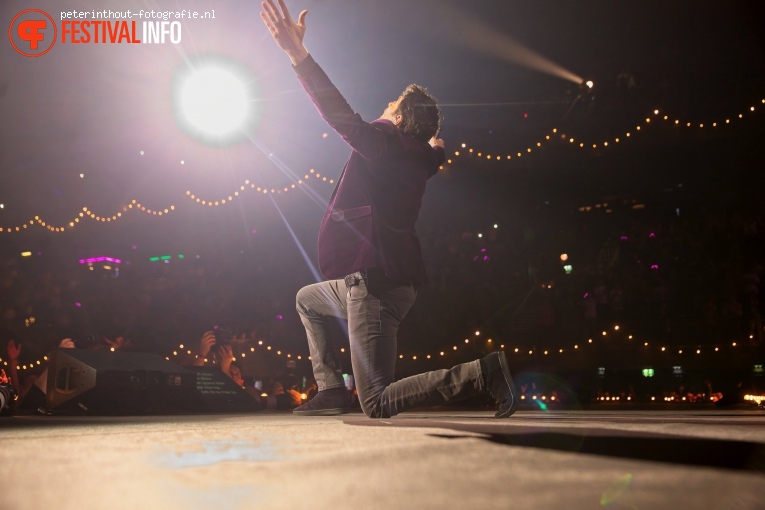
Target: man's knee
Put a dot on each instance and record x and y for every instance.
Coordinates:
(372, 411)
(301, 299)
(375, 407)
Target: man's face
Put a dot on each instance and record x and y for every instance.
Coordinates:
(391, 112)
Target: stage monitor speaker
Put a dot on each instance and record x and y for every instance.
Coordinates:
(85, 381)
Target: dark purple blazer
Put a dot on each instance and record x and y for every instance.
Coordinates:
(369, 222)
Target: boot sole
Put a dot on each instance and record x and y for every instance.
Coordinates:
(509, 380)
(322, 412)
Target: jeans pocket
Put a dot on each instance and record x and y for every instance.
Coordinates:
(357, 292)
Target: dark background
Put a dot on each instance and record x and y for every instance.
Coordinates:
(92, 109)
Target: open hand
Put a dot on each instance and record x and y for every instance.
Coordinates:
(287, 34)
(208, 340)
(115, 344)
(67, 343)
(225, 357)
(13, 351)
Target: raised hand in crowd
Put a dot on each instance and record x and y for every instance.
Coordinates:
(205, 345)
(225, 358)
(67, 343)
(117, 343)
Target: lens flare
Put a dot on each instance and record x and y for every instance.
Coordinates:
(619, 491)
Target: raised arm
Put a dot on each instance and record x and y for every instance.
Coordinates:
(366, 139)
(14, 350)
(287, 34)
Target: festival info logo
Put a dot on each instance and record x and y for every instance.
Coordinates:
(32, 33)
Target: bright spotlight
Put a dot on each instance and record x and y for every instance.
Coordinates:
(589, 84)
(214, 100)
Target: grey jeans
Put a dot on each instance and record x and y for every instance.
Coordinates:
(373, 307)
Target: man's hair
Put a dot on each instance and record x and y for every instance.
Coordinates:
(420, 114)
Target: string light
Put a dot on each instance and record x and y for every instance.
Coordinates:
(547, 137)
(259, 189)
(134, 205)
(251, 348)
(561, 351)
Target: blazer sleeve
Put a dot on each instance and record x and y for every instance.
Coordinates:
(363, 137)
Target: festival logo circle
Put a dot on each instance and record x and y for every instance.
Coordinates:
(32, 33)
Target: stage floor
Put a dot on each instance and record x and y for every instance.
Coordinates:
(444, 459)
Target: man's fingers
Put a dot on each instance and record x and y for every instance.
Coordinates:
(285, 11)
(301, 18)
(270, 9)
(267, 22)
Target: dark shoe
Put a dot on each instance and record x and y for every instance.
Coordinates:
(496, 376)
(326, 403)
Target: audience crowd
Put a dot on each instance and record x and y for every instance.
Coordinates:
(677, 275)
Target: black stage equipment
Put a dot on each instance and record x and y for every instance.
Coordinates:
(86, 381)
